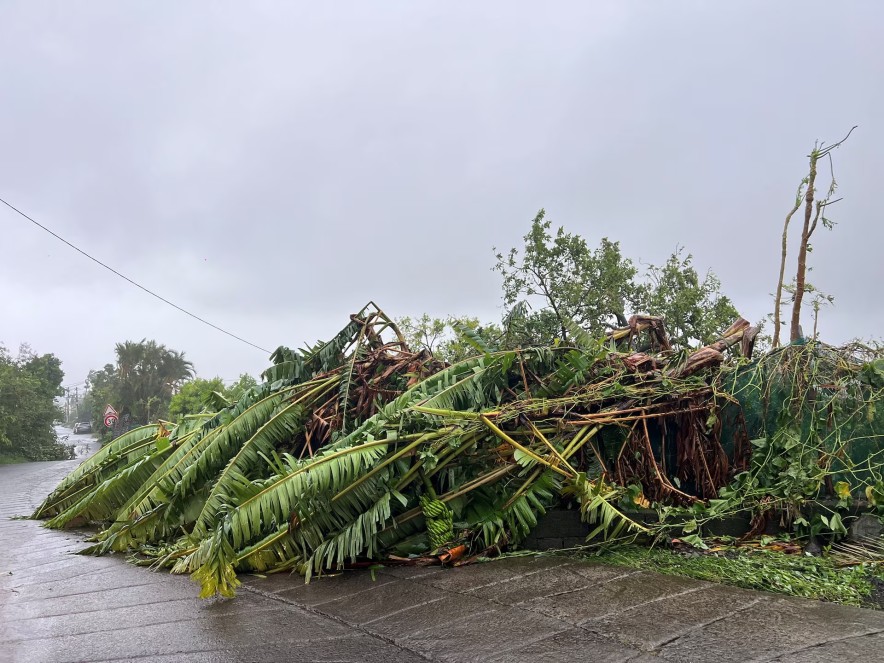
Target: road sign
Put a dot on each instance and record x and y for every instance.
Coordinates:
(110, 416)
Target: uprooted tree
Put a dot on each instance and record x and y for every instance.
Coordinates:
(360, 450)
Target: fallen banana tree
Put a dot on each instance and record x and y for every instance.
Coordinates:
(358, 450)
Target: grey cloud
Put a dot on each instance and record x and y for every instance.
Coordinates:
(272, 167)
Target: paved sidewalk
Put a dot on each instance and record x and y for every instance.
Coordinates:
(55, 606)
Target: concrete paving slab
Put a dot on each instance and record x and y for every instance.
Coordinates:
(135, 594)
(103, 580)
(379, 602)
(92, 621)
(433, 614)
(478, 637)
(772, 628)
(352, 649)
(210, 632)
(570, 646)
(610, 598)
(65, 570)
(555, 580)
(471, 577)
(652, 625)
(19, 567)
(411, 572)
(322, 589)
(42, 543)
(849, 649)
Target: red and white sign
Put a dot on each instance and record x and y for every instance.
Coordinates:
(110, 416)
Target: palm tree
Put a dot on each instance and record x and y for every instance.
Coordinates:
(149, 374)
(175, 370)
(129, 355)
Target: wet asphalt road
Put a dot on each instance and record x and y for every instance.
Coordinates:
(60, 607)
(84, 444)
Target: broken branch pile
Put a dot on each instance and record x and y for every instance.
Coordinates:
(358, 449)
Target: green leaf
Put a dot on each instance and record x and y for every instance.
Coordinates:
(695, 541)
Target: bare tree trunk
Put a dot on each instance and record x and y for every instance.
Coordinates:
(795, 329)
(810, 223)
(778, 299)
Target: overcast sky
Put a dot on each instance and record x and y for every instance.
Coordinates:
(273, 166)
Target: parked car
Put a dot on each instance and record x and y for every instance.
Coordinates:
(82, 427)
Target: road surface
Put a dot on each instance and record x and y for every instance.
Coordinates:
(59, 607)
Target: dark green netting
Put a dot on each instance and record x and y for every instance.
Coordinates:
(811, 405)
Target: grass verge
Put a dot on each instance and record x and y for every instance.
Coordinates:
(796, 575)
(10, 459)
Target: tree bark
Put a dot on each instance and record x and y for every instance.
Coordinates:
(795, 330)
(778, 299)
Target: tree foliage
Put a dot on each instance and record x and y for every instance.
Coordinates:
(244, 383)
(141, 383)
(200, 394)
(195, 396)
(451, 339)
(694, 309)
(557, 280)
(29, 385)
(560, 272)
(101, 389)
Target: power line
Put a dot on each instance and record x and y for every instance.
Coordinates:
(137, 285)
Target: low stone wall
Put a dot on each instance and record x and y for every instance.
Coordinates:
(562, 528)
